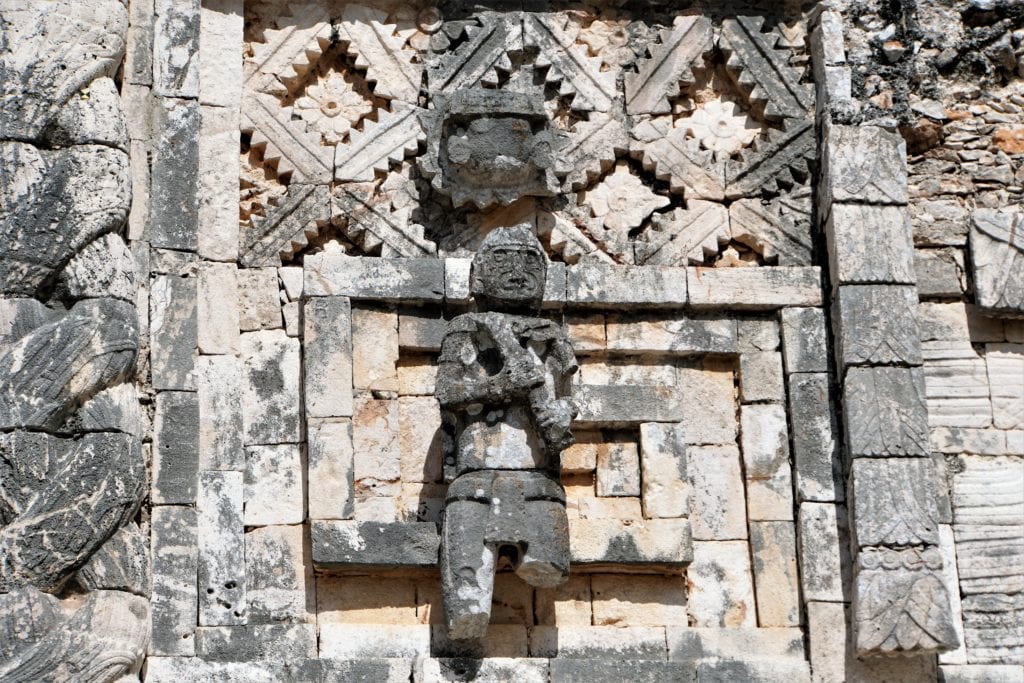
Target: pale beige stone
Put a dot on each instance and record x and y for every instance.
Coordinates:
(773, 547)
(771, 499)
(711, 396)
(330, 461)
(578, 488)
(273, 485)
(219, 390)
(627, 642)
(582, 455)
(951, 579)
(625, 371)
(718, 509)
(429, 601)
(513, 600)
(419, 420)
(620, 600)
(610, 508)
(219, 170)
(291, 281)
(359, 641)
(327, 357)
(292, 314)
(957, 384)
(586, 332)
(374, 349)
(422, 502)
(259, 300)
(618, 469)
(416, 376)
(217, 308)
(826, 625)
(220, 53)
(377, 509)
(1006, 380)
(365, 600)
(766, 462)
(375, 437)
(279, 580)
(721, 587)
(566, 605)
(761, 377)
(663, 467)
(271, 394)
(754, 288)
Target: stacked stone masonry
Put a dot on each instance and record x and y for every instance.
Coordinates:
(784, 243)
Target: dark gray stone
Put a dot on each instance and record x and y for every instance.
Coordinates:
(941, 273)
(257, 643)
(173, 332)
(367, 546)
(175, 448)
(753, 671)
(819, 475)
(284, 225)
(122, 563)
(894, 502)
(804, 340)
(174, 196)
(421, 330)
(864, 164)
(885, 412)
(396, 280)
(637, 671)
(175, 563)
(877, 325)
(176, 48)
(365, 670)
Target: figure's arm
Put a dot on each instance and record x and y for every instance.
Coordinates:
(461, 380)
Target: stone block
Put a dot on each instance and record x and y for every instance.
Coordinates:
(374, 506)
(826, 628)
(981, 673)
(173, 332)
(815, 447)
(951, 581)
(384, 670)
(821, 552)
(956, 385)
(599, 642)
(997, 259)
(586, 331)
(405, 280)
(773, 548)
(625, 404)
(330, 480)
(175, 448)
(957, 321)
(689, 335)
(721, 588)
(877, 325)
(419, 423)
(220, 53)
(176, 48)
(869, 244)
(657, 543)
(754, 288)
(422, 502)
(376, 440)
(365, 600)
(358, 641)
(292, 319)
(270, 388)
(138, 59)
(259, 302)
(519, 669)
(663, 468)
(628, 371)
(771, 499)
(957, 440)
(174, 177)
(374, 349)
(217, 308)
(573, 670)
(765, 443)
(710, 414)
(456, 280)
(1005, 363)
(257, 643)
(565, 605)
(602, 284)
(941, 273)
(581, 457)
(864, 164)
(761, 377)
(221, 539)
(506, 641)
(178, 669)
(753, 670)
(804, 340)
(884, 487)
(940, 222)
(885, 412)
(279, 584)
(618, 470)
(174, 601)
(421, 329)
(219, 168)
(219, 392)
(273, 485)
(366, 546)
(610, 508)
(621, 600)
(695, 644)
(417, 376)
(173, 262)
(290, 276)
(328, 357)
(718, 508)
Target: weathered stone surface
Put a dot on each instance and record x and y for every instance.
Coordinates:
(219, 532)
(173, 332)
(684, 237)
(219, 392)
(655, 542)
(941, 273)
(663, 469)
(683, 336)
(894, 502)
(1005, 364)
(177, 669)
(456, 280)
(374, 349)
(366, 600)
(217, 308)
(826, 626)
(330, 470)
(273, 485)
(718, 504)
(980, 673)
(565, 605)
(173, 262)
(257, 643)
(710, 416)
(755, 670)
(900, 602)
(641, 286)
(405, 280)
(618, 404)
(419, 422)
(121, 563)
(175, 602)
(818, 469)
(765, 442)
(219, 170)
(754, 288)
(951, 581)
(176, 48)
(377, 450)
(821, 551)
(493, 668)
(270, 388)
(102, 268)
(773, 549)
(368, 545)
(781, 238)
(997, 255)
(885, 412)
(804, 340)
(421, 329)
(279, 584)
(174, 197)
(870, 244)
(956, 385)
(356, 641)
(757, 334)
(877, 325)
(761, 377)
(865, 164)
(327, 352)
(721, 585)
(638, 600)
(618, 470)
(596, 642)
(383, 670)
(695, 644)
(640, 671)
(175, 448)
(259, 302)
(220, 63)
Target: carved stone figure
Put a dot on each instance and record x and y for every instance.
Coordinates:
(503, 385)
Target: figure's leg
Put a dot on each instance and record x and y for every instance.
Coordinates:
(545, 562)
(467, 569)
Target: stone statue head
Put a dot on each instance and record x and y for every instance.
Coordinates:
(509, 270)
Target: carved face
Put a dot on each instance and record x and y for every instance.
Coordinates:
(496, 152)
(510, 274)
